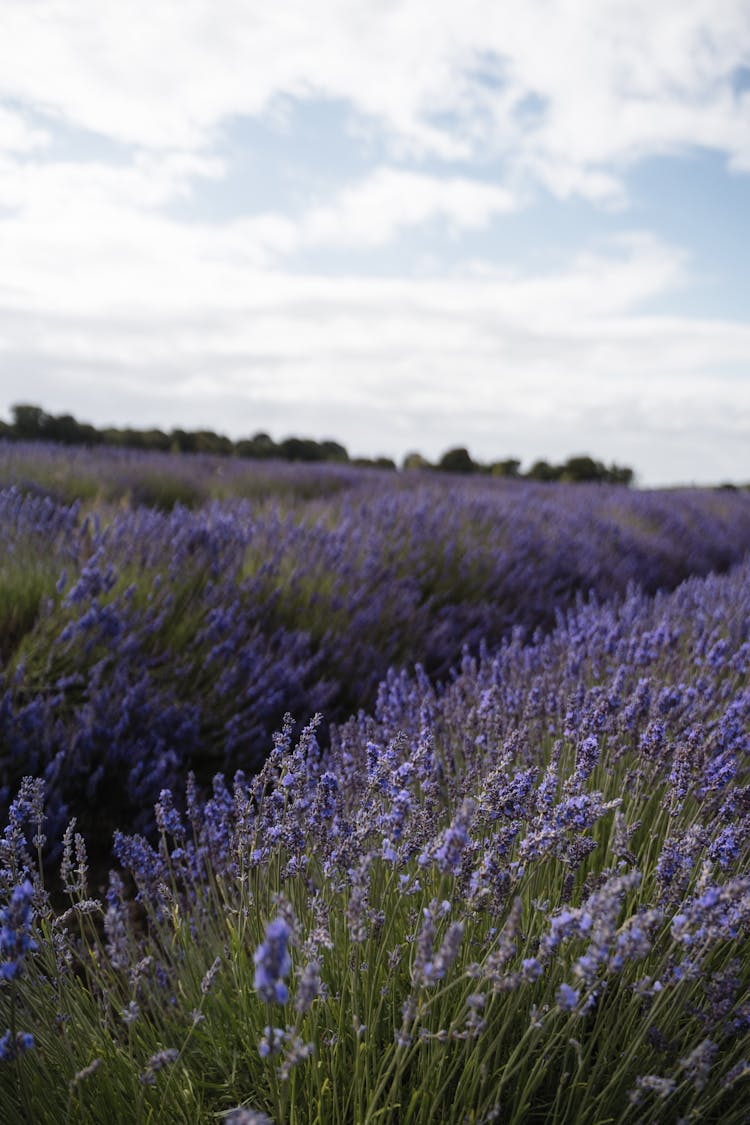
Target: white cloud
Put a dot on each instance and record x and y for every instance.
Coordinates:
(613, 79)
(373, 211)
(17, 136)
(60, 190)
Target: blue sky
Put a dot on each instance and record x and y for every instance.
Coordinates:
(406, 225)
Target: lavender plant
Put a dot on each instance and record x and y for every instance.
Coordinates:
(137, 644)
(522, 896)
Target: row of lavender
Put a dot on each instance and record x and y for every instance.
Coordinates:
(104, 476)
(522, 897)
(150, 643)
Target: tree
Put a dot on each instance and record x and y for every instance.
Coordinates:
(300, 449)
(182, 441)
(206, 441)
(508, 468)
(542, 470)
(620, 474)
(156, 439)
(333, 451)
(415, 461)
(583, 468)
(28, 421)
(457, 461)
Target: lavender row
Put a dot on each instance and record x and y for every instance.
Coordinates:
(107, 476)
(156, 642)
(536, 870)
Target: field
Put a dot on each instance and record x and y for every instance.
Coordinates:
(338, 795)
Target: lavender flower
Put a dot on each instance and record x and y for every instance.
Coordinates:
(84, 1073)
(243, 1115)
(449, 852)
(15, 930)
(567, 997)
(308, 987)
(651, 1084)
(157, 1062)
(271, 1041)
(11, 1048)
(697, 1064)
(272, 963)
(210, 976)
(130, 1014)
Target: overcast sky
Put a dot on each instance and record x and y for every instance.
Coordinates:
(404, 224)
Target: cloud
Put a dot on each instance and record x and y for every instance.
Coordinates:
(374, 210)
(48, 190)
(17, 136)
(610, 81)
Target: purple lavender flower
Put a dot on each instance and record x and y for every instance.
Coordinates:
(531, 969)
(243, 1115)
(272, 963)
(15, 930)
(271, 1041)
(449, 854)
(651, 1084)
(309, 987)
(726, 847)
(697, 1065)
(567, 997)
(167, 818)
(157, 1062)
(12, 1048)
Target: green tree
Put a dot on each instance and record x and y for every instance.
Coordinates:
(300, 449)
(542, 470)
(583, 468)
(508, 468)
(457, 461)
(415, 461)
(28, 421)
(620, 474)
(333, 451)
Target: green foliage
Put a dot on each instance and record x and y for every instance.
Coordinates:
(542, 470)
(457, 461)
(25, 584)
(32, 423)
(415, 461)
(508, 468)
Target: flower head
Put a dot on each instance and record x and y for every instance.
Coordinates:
(272, 963)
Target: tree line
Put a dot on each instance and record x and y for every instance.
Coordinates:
(579, 468)
(32, 423)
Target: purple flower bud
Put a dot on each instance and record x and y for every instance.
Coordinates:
(272, 963)
(566, 997)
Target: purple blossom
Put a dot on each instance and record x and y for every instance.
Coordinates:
(725, 848)
(567, 997)
(449, 853)
(15, 930)
(272, 963)
(11, 1048)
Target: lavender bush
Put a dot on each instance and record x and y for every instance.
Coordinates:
(519, 897)
(138, 644)
(111, 476)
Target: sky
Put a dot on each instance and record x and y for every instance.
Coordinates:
(522, 228)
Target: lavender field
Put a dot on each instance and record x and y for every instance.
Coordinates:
(338, 795)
